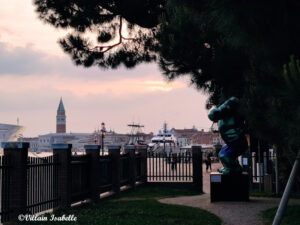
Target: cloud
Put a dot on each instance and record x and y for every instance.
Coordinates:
(79, 87)
(28, 61)
(120, 88)
(35, 73)
(21, 61)
(37, 110)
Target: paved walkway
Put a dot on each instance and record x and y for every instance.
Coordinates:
(231, 213)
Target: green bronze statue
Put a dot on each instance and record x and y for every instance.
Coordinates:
(231, 128)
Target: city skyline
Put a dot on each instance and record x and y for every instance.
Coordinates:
(35, 73)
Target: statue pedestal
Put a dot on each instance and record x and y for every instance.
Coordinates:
(229, 187)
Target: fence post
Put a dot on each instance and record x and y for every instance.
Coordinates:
(93, 151)
(17, 201)
(114, 152)
(197, 167)
(132, 164)
(142, 149)
(62, 156)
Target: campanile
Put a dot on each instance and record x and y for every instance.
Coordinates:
(61, 118)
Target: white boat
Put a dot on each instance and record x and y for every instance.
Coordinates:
(163, 142)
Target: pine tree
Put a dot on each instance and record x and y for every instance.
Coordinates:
(227, 47)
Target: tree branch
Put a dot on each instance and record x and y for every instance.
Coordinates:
(104, 49)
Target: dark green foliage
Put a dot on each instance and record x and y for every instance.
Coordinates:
(227, 47)
(83, 14)
(191, 44)
(291, 215)
(248, 40)
(106, 19)
(278, 97)
(104, 37)
(220, 44)
(273, 114)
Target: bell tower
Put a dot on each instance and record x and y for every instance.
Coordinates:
(61, 118)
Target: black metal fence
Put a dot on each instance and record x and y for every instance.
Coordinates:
(4, 188)
(32, 185)
(124, 169)
(105, 173)
(138, 165)
(41, 184)
(80, 177)
(173, 167)
(260, 168)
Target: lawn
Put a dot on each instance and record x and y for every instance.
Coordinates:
(291, 216)
(272, 195)
(138, 208)
(158, 192)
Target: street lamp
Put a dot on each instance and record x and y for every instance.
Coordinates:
(171, 147)
(95, 137)
(164, 139)
(103, 133)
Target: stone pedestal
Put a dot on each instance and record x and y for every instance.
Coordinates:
(17, 180)
(94, 182)
(62, 155)
(197, 168)
(132, 164)
(114, 152)
(229, 187)
(142, 149)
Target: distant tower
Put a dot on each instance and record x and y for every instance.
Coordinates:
(61, 118)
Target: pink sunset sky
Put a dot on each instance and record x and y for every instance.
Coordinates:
(35, 73)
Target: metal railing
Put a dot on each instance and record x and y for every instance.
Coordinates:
(138, 165)
(124, 169)
(105, 173)
(4, 188)
(41, 184)
(79, 177)
(36, 184)
(173, 167)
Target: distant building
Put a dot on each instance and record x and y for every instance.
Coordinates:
(61, 118)
(113, 138)
(206, 138)
(78, 140)
(184, 136)
(9, 132)
(147, 137)
(33, 143)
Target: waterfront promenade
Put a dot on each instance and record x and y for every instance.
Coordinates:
(231, 213)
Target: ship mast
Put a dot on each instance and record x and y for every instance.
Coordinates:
(135, 134)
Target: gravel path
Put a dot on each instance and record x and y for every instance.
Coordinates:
(231, 213)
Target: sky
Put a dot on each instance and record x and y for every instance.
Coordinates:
(35, 73)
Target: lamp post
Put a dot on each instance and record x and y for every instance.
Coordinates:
(164, 144)
(103, 133)
(95, 137)
(170, 144)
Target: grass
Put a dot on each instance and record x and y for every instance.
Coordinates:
(140, 207)
(158, 192)
(272, 195)
(263, 194)
(291, 216)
